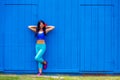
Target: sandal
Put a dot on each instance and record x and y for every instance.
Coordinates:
(45, 65)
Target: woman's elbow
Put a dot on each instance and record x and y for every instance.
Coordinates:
(53, 27)
(29, 27)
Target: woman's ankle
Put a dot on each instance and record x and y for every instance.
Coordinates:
(44, 62)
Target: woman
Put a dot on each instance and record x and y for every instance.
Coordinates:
(41, 30)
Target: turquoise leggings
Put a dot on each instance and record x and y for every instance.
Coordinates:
(40, 50)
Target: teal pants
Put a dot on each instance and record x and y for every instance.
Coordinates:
(40, 50)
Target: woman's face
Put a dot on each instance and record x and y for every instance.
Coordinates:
(41, 25)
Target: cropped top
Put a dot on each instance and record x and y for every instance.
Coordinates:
(40, 36)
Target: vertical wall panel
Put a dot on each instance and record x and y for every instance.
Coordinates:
(74, 35)
(19, 43)
(119, 31)
(81, 35)
(96, 36)
(49, 17)
(108, 38)
(87, 37)
(61, 33)
(101, 37)
(117, 38)
(67, 35)
(94, 39)
(114, 35)
(2, 36)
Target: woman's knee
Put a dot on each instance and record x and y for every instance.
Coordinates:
(36, 58)
(39, 59)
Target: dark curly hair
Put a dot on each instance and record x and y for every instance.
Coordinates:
(38, 27)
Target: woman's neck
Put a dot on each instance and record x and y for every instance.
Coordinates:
(41, 29)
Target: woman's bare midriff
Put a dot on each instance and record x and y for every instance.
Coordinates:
(40, 42)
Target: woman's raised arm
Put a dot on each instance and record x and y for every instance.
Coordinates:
(49, 28)
(33, 28)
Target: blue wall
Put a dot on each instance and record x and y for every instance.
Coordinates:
(85, 39)
(2, 35)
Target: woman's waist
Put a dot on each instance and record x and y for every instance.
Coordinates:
(40, 41)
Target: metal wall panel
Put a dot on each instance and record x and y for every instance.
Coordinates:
(19, 40)
(2, 35)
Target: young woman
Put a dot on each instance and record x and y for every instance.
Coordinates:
(41, 30)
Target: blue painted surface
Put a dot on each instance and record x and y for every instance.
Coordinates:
(19, 50)
(85, 39)
(1, 36)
